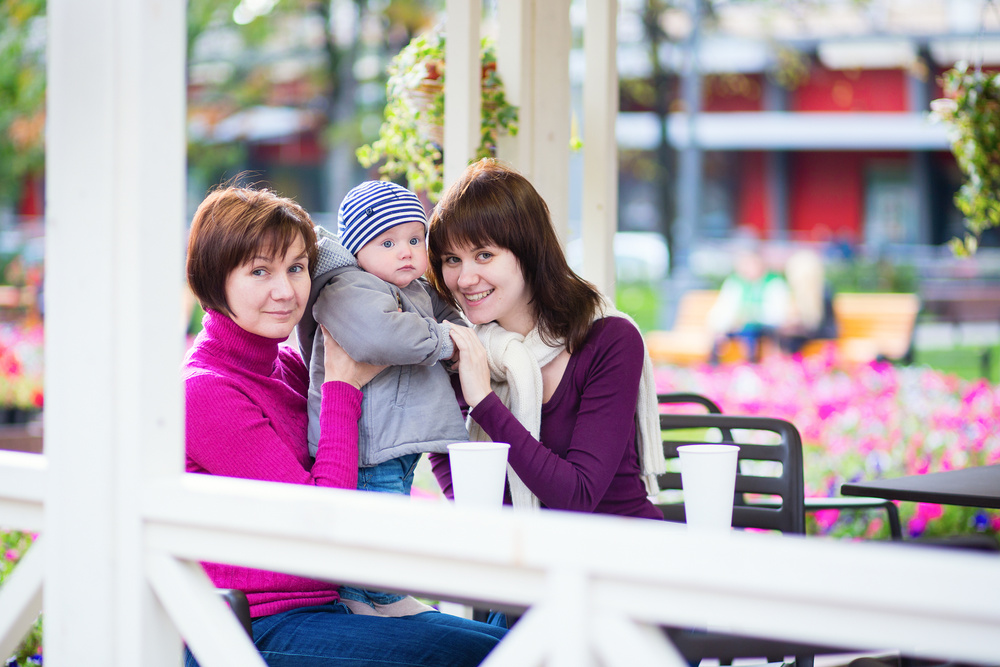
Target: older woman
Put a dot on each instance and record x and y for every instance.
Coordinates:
(249, 258)
(551, 367)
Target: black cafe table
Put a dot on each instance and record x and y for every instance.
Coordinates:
(968, 487)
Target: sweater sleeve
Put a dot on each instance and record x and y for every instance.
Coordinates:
(603, 428)
(229, 434)
(361, 312)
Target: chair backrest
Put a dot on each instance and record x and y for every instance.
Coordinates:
(686, 398)
(786, 516)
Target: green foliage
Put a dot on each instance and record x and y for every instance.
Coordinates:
(410, 138)
(13, 545)
(969, 362)
(872, 276)
(971, 111)
(641, 301)
(22, 94)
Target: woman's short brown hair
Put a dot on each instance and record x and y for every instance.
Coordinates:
(231, 226)
(492, 204)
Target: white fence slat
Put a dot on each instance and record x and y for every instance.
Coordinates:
(623, 644)
(570, 616)
(528, 643)
(21, 598)
(210, 628)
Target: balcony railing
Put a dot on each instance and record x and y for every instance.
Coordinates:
(594, 587)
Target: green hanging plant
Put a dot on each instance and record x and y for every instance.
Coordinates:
(971, 112)
(412, 133)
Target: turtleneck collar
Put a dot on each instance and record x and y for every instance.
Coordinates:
(247, 350)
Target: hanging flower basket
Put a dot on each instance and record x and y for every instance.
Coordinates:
(427, 100)
(411, 137)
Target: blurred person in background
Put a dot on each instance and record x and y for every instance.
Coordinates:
(810, 314)
(753, 305)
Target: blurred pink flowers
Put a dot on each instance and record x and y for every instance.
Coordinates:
(863, 422)
(21, 367)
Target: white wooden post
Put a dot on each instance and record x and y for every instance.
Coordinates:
(550, 112)
(600, 147)
(114, 248)
(462, 99)
(515, 64)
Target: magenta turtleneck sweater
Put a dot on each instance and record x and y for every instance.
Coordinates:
(246, 417)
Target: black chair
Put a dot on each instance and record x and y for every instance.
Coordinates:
(811, 504)
(783, 510)
(237, 601)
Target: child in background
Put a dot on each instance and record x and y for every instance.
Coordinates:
(368, 291)
(753, 305)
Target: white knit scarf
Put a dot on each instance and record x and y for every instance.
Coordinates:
(515, 373)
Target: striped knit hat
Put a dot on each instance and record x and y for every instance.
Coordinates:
(373, 207)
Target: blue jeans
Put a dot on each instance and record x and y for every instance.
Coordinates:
(329, 635)
(392, 476)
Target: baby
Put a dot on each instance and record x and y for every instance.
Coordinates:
(368, 291)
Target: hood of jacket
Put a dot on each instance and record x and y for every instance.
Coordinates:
(332, 259)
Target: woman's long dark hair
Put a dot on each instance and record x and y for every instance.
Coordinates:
(492, 204)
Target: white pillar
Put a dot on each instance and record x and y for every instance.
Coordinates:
(533, 58)
(515, 65)
(600, 146)
(550, 112)
(462, 99)
(114, 248)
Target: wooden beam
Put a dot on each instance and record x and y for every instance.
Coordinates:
(600, 146)
(462, 99)
(115, 170)
(550, 109)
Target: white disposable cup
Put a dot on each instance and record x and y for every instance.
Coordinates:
(708, 477)
(478, 472)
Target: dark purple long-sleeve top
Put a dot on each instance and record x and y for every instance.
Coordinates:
(587, 458)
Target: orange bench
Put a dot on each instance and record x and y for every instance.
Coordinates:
(875, 325)
(869, 325)
(690, 341)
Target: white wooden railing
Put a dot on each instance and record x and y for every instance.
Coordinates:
(594, 586)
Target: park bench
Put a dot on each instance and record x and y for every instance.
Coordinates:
(690, 339)
(870, 326)
(875, 325)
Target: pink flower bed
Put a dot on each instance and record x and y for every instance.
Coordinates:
(864, 422)
(21, 369)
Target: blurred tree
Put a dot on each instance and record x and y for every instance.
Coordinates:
(298, 53)
(22, 95)
(239, 53)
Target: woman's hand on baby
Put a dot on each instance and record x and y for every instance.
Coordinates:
(473, 367)
(340, 367)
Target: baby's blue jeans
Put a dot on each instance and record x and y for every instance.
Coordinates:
(393, 476)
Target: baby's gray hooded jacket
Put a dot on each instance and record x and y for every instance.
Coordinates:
(410, 406)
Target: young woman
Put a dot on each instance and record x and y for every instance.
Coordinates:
(551, 367)
(249, 259)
